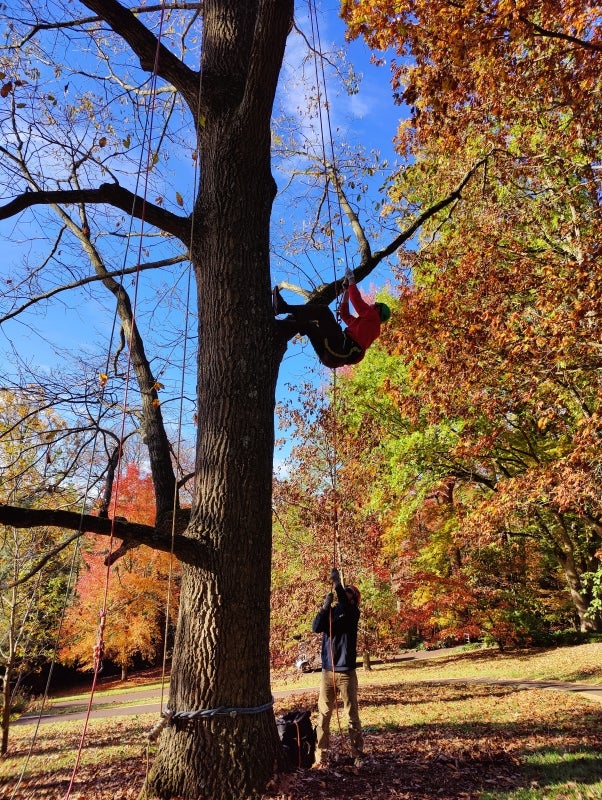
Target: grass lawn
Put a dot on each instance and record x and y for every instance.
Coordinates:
(425, 738)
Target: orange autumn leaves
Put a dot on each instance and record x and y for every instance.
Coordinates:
(499, 316)
(469, 59)
(136, 590)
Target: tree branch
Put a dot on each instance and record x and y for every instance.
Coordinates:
(407, 234)
(132, 533)
(356, 226)
(110, 193)
(74, 23)
(327, 292)
(91, 279)
(153, 55)
(563, 36)
(269, 39)
(43, 561)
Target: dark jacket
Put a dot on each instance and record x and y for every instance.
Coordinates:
(341, 620)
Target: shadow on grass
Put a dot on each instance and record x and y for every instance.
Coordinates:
(546, 745)
(449, 762)
(539, 741)
(549, 767)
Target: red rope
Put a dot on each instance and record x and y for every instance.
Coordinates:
(98, 651)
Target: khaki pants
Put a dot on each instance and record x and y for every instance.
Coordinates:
(346, 684)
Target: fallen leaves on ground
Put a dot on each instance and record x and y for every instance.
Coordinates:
(436, 741)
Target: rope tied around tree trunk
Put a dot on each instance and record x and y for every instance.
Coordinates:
(221, 711)
(168, 716)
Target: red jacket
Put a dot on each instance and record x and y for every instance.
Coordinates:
(364, 328)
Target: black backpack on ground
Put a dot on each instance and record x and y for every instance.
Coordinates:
(298, 738)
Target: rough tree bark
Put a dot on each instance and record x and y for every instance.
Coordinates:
(221, 655)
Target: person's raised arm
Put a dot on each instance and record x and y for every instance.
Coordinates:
(320, 623)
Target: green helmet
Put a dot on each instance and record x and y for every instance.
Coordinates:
(384, 311)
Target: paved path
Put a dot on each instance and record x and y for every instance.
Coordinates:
(147, 701)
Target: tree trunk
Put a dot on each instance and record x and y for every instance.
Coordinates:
(5, 723)
(221, 652)
(587, 622)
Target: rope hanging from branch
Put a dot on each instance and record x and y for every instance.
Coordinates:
(148, 133)
(331, 178)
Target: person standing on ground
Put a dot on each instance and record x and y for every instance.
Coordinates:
(338, 625)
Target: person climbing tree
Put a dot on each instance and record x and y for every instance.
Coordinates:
(338, 626)
(334, 346)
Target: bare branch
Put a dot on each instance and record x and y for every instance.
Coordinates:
(153, 55)
(356, 226)
(111, 193)
(133, 533)
(91, 279)
(366, 267)
(75, 23)
(327, 292)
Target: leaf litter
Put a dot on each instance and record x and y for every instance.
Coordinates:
(423, 740)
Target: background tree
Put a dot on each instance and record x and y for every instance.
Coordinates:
(499, 325)
(29, 611)
(323, 500)
(137, 591)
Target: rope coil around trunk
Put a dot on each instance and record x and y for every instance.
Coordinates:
(168, 716)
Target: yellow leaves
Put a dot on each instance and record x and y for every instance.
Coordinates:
(543, 422)
(102, 379)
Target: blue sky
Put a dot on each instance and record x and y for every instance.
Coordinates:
(368, 119)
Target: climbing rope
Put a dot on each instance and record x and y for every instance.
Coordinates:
(326, 133)
(99, 647)
(147, 136)
(330, 166)
(153, 735)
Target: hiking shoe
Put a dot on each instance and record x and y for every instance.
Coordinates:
(280, 306)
